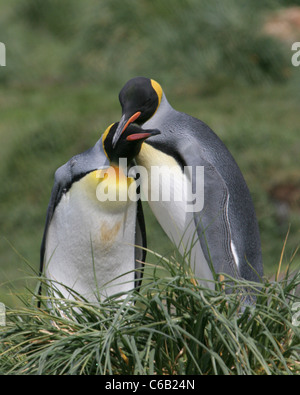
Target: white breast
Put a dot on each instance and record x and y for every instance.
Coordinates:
(173, 216)
(91, 243)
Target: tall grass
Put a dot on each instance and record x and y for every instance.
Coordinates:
(172, 326)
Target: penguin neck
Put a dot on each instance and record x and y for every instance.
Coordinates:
(163, 109)
(164, 106)
(120, 165)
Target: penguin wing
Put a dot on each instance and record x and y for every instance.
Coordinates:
(61, 180)
(72, 171)
(140, 244)
(212, 223)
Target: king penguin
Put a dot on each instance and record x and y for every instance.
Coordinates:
(221, 236)
(94, 234)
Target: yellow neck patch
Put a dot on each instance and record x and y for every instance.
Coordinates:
(104, 137)
(158, 90)
(114, 188)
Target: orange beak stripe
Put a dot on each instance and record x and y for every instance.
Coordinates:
(131, 120)
(138, 136)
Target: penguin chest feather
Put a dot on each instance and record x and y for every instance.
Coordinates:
(90, 240)
(164, 188)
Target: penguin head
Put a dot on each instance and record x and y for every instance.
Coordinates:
(128, 144)
(140, 98)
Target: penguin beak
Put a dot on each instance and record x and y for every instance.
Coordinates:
(123, 124)
(143, 135)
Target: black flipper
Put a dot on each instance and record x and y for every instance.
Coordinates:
(141, 244)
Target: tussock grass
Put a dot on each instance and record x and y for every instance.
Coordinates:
(172, 326)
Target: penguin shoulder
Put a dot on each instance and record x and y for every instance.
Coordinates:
(62, 175)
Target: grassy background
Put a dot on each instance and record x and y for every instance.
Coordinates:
(66, 62)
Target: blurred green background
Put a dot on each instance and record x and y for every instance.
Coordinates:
(225, 62)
